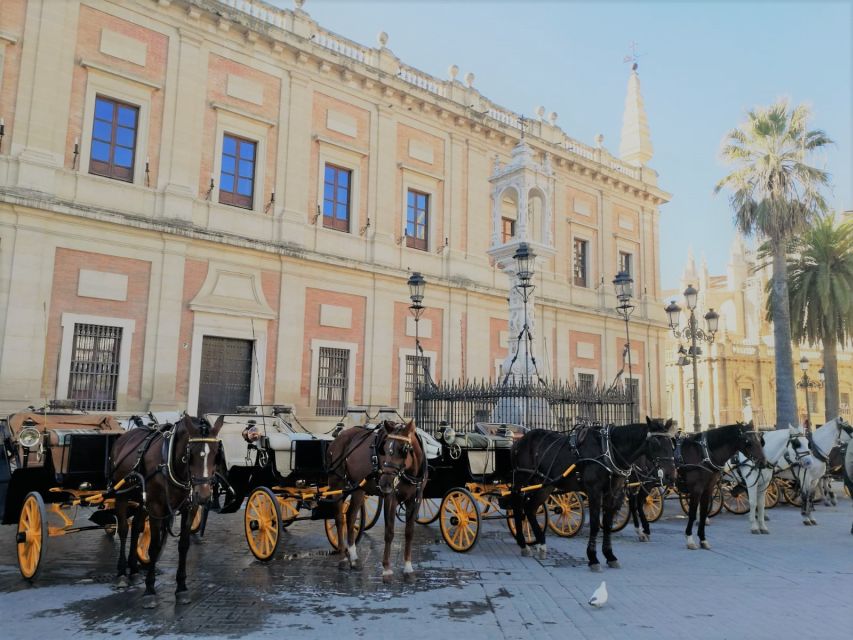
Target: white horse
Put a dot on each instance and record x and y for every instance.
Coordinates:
(824, 438)
(848, 473)
(783, 449)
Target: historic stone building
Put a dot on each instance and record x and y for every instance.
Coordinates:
(737, 372)
(205, 203)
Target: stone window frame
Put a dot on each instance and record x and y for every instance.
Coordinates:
(125, 90)
(315, 345)
(67, 323)
(414, 180)
(348, 158)
(234, 198)
(576, 236)
(109, 169)
(240, 125)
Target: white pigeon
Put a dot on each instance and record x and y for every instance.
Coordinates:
(599, 597)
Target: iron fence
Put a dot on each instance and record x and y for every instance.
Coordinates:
(552, 405)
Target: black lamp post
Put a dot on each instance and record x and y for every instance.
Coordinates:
(806, 383)
(624, 285)
(525, 264)
(417, 286)
(693, 333)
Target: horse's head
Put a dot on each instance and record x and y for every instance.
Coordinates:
(396, 453)
(797, 448)
(750, 443)
(200, 455)
(660, 449)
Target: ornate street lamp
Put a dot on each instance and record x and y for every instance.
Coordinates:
(693, 333)
(525, 265)
(806, 383)
(624, 285)
(417, 286)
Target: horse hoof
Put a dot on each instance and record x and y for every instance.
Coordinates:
(692, 546)
(814, 522)
(121, 582)
(596, 568)
(756, 531)
(357, 565)
(135, 578)
(409, 577)
(705, 545)
(343, 565)
(542, 554)
(525, 552)
(387, 577)
(644, 537)
(614, 564)
(182, 597)
(765, 531)
(807, 523)
(149, 601)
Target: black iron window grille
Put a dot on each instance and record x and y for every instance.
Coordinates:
(332, 381)
(95, 367)
(417, 374)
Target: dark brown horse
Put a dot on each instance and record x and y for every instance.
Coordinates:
(389, 462)
(597, 464)
(163, 471)
(701, 458)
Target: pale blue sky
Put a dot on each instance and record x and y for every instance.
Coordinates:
(703, 64)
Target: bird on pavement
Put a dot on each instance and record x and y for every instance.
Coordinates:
(599, 597)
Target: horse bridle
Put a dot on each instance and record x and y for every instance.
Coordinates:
(657, 460)
(399, 470)
(192, 481)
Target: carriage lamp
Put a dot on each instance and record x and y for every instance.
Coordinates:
(624, 285)
(417, 286)
(29, 437)
(525, 263)
(448, 435)
(712, 321)
(673, 311)
(691, 295)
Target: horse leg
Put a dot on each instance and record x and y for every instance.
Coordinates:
(343, 563)
(765, 476)
(594, 495)
(691, 518)
(135, 531)
(389, 509)
(182, 595)
(121, 527)
(411, 512)
(517, 502)
(149, 600)
(355, 503)
(609, 500)
(531, 506)
(704, 508)
(636, 504)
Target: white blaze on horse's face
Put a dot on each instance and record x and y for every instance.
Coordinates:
(204, 457)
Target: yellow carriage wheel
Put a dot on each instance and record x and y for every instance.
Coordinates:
(771, 496)
(566, 514)
(143, 542)
(428, 511)
(653, 504)
(372, 511)
(262, 523)
(736, 499)
(32, 535)
(621, 516)
(541, 518)
(332, 530)
(289, 508)
(459, 520)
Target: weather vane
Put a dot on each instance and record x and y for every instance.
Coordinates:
(633, 57)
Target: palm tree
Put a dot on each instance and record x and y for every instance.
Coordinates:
(775, 194)
(820, 284)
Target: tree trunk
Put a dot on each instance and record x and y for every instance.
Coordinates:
(830, 370)
(786, 399)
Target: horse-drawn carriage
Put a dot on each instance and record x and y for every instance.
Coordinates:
(54, 461)
(279, 469)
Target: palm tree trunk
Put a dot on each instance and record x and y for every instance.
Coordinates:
(786, 400)
(830, 370)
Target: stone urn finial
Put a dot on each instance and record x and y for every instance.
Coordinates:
(469, 79)
(552, 118)
(453, 71)
(299, 4)
(540, 112)
(382, 39)
(599, 140)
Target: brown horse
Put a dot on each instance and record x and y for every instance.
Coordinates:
(700, 458)
(389, 462)
(164, 471)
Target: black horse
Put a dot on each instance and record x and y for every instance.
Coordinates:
(597, 463)
(165, 471)
(701, 458)
(644, 477)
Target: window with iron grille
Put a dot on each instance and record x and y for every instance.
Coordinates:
(417, 220)
(586, 382)
(332, 381)
(507, 229)
(113, 139)
(580, 262)
(626, 263)
(237, 177)
(417, 368)
(94, 367)
(336, 197)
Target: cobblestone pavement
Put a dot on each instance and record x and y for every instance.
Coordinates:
(795, 582)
